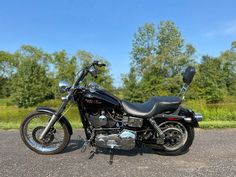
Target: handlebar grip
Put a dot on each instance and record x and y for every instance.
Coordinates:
(102, 64)
(98, 63)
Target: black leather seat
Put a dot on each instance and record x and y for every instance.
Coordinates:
(155, 105)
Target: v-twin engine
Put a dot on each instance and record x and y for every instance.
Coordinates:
(124, 140)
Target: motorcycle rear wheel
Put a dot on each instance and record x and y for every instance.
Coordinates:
(182, 149)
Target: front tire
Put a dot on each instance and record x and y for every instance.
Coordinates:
(32, 126)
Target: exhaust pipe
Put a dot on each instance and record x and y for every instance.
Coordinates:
(198, 116)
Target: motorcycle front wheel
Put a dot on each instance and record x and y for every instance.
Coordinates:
(55, 140)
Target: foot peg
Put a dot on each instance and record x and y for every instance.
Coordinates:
(92, 154)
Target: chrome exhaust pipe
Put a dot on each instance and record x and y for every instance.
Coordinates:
(198, 116)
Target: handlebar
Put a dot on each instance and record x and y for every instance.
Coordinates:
(90, 69)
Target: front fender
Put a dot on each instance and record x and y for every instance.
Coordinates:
(63, 119)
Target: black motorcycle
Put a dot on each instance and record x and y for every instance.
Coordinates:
(160, 123)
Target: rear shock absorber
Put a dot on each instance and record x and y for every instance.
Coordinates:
(157, 128)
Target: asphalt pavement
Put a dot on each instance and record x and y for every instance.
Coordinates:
(213, 154)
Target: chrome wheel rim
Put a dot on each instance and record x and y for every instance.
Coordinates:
(52, 141)
(176, 135)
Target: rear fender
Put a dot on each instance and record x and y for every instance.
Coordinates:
(188, 113)
(63, 119)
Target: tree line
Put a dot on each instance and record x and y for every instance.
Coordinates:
(31, 75)
(158, 58)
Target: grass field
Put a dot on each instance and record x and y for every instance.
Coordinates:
(215, 116)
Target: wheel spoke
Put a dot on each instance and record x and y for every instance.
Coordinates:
(175, 135)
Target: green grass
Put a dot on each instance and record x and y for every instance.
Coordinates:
(214, 116)
(16, 125)
(217, 124)
(11, 116)
(213, 112)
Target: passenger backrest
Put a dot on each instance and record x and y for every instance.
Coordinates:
(189, 74)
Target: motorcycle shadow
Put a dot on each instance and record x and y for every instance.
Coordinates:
(78, 144)
(74, 145)
(118, 152)
(134, 152)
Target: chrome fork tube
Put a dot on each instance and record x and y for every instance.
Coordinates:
(49, 125)
(55, 117)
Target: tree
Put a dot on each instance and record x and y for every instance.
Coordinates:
(31, 84)
(233, 45)
(173, 55)
(159, 56)
(7, 67)
(211, 82)
(64, 68)
(34, 53)
(144, 46)
(228, 63)
(130, 88)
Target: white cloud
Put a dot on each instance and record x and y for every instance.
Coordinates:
(230, 29)
(211, 34)
(227, 29)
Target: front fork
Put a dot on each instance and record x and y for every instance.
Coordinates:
(55, 117)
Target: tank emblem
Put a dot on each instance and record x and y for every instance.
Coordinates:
(93, 101)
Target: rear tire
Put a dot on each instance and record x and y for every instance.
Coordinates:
(183, 149)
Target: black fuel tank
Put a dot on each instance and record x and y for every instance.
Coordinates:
(100, 99)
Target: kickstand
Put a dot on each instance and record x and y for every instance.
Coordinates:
(111, 152)
(141, 151)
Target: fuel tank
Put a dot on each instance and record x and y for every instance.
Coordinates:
(100, 99)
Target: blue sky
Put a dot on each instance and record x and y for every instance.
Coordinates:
(106, 27)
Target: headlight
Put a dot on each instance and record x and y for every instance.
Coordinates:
(63, 86)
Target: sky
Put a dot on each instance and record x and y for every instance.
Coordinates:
(106, 27)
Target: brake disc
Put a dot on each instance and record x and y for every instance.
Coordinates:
(49, 137)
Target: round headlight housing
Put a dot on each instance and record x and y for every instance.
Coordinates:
(63, 86)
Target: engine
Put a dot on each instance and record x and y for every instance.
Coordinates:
(124, 140)
(101, 119)
(114, 138)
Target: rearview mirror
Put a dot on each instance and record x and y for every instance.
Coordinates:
(63, 86)
(189, 74)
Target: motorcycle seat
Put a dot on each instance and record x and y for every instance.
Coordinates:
(155, 105)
